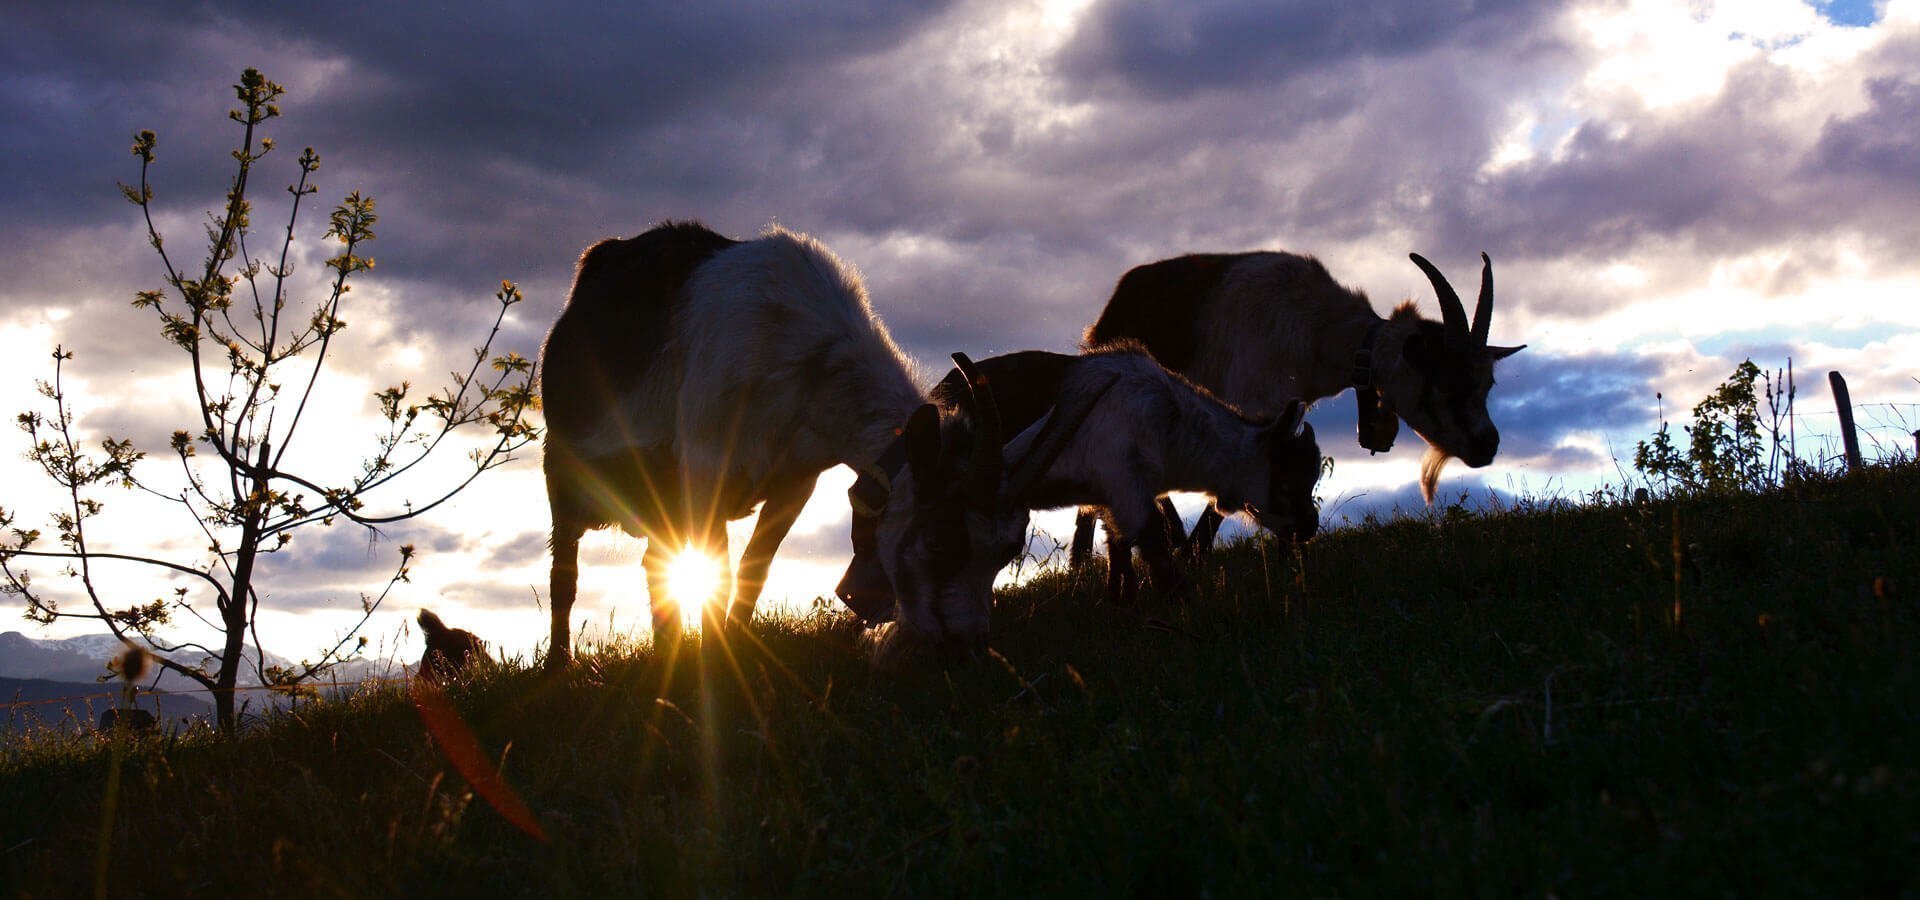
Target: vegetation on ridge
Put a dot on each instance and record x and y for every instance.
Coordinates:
(1702, 693)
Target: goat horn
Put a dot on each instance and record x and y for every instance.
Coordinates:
(1451, 312)
(1483, 310)
(1053, 438)
(984, 470)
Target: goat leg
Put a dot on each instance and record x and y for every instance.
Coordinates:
(1081, 549)
(1200, 540)
(667, 626)
(783, 506)
(713, 610)
(1167, 577)
(1123, 582)
(563, 582)
(1170, 521)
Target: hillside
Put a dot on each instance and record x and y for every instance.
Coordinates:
(1702, 696)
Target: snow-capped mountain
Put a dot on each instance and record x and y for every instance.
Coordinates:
(84, 659)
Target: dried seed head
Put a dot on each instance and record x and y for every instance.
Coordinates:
(131, 664)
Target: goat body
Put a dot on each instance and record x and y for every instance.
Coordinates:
(696, 376)
(1142, 431)
(1155, 432)
(1263, 329)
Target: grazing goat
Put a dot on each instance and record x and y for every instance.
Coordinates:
(1137, 432)
(692, 376)
(449, 650)
(1262, 329)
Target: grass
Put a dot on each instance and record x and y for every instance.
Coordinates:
(1525, 703)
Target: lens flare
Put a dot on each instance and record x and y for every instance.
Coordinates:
(692, 578)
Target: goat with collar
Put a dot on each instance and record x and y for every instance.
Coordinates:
(1260, 329)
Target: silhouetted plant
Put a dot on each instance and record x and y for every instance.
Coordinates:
(1724, 449)
(231, 311)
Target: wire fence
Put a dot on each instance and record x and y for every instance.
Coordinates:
(117, 698)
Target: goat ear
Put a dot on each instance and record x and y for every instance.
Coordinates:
(1500, 353)
(923, 448)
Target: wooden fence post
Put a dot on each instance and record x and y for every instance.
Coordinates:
(1843, 404)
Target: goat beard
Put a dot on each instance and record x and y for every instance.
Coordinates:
(1430, 466)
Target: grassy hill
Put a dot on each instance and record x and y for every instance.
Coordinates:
(1690, 697)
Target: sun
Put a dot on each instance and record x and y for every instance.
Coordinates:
(692, 578)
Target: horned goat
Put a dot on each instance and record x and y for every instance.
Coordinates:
(1141, 431)
(1262, 329)
(692, 376)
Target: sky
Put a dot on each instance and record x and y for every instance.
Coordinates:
(1665, 188)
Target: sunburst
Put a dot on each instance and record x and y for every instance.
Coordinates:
(692, 579)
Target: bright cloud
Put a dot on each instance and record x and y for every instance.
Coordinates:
(1665, 186)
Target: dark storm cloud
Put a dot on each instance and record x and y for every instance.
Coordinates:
(1881, 143)
(77, 82)
(1165, 48)
(1541, 397)
(1726, 178)
(500, 141)
(1704, 178)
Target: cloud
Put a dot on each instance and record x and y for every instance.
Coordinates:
(1167, 49)
(1538, 400)
(1468, 492)
(993, 167)
(527, 548)
(1878, 143)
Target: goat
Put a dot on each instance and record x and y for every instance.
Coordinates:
(1139, 431)
(449, 650)
(1262, 329)
(692, 376)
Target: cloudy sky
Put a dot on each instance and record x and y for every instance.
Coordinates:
(1666, 187)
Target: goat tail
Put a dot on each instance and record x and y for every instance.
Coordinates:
(1430, 466)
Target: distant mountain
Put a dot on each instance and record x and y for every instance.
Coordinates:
(81, 663)
(23, 657)
(28, 703)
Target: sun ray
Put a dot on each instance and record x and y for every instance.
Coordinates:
(693, 578)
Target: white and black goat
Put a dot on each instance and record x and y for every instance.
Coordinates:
(1139, 431)
(692, 376)
(1263, 329)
